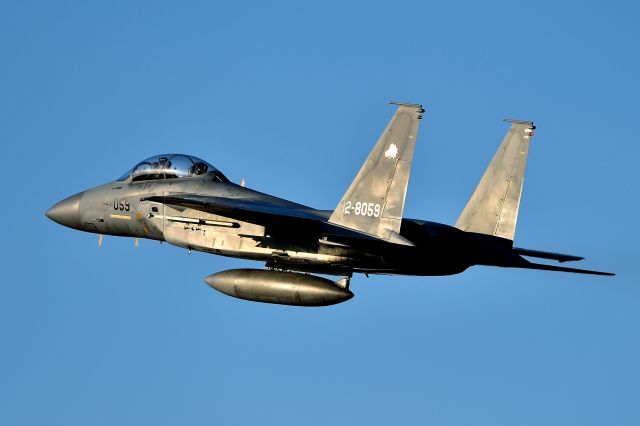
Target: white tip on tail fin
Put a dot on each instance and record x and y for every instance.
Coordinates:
(375, 199)
(493, 207)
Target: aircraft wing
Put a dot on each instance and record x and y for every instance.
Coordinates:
(247, 209)
(282, 214)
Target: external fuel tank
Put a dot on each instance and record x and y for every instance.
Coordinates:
(284, 288)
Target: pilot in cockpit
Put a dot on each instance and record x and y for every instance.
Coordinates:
(199, 168)
(159, 167)
(163, 163)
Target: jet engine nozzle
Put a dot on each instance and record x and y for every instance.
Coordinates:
(284, 288)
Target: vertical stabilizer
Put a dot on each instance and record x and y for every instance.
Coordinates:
(375, 200)
(493, 207)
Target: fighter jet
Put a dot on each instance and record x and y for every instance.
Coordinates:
(187, 202)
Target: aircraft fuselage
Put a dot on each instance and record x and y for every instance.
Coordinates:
(116, 209)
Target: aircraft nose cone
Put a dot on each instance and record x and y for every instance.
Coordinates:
(66, 212)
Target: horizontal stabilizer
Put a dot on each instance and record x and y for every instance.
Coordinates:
(546, 255)
(529, 265)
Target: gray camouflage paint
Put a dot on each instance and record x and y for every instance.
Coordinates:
(383, 179)
(366, 233)
(493, 207)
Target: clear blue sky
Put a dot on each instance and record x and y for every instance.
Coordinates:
(291, 96)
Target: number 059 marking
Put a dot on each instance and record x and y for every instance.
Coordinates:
(121, 205)
(362, 209)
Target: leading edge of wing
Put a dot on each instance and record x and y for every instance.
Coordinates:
(250, 210)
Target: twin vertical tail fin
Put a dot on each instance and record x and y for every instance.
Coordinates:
(493, 207)
(374, 202)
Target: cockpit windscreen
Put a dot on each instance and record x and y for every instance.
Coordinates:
(170, 166)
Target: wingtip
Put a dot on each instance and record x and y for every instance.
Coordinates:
(417, 106)
(516, 121)
(571, 259)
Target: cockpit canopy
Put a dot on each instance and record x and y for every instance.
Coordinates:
(171, 166)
